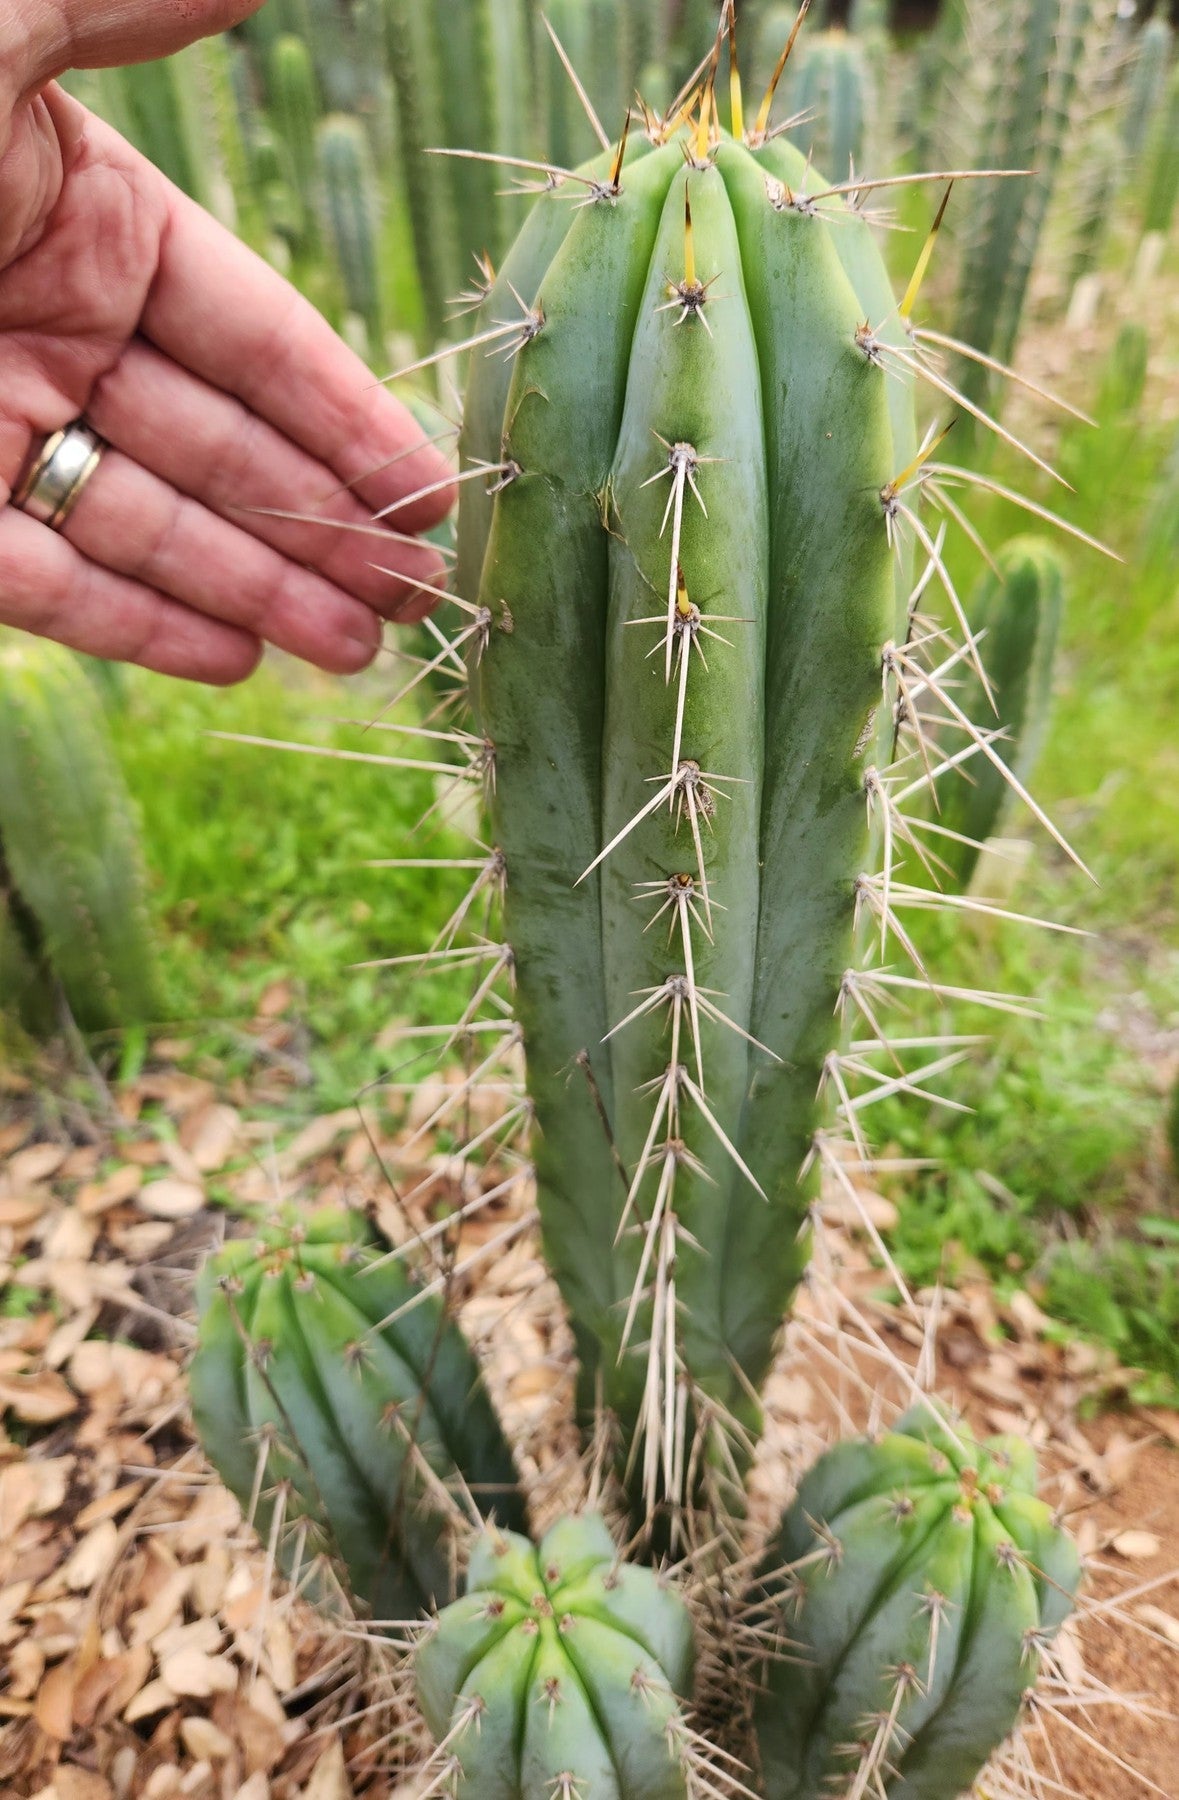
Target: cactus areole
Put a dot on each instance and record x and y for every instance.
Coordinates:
(684, 587)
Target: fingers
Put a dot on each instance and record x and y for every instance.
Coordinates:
(92, 34)
(48, 587)
(134, 524)
(207, 445)
(217, 309)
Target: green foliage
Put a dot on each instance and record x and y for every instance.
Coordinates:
(70, 861)
(260, 881)
(918, 1582)
(326, 1383)
(784, 710)
(561, 1672)
(1123, 1292)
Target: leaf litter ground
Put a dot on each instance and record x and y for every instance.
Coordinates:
(142, 1656)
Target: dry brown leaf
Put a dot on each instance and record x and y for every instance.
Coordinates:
(110, 1685)
(194, 1675)
(69, 1334)
(30, 1490)
(164, 1605)
(202, 1634)
(35, 1164)
(155, 1698)
(1136, 1546)
(39, 1399)
(108, 1506)
(26, 1665)
(97, 1197)
(330, 1779)
(1161, 1621)
(71, 1239)
(92, 1556)
(317, 1137)
(18, 1211)
(203, 1739)
(71, 1783)
(53, 1707)
(171, 1198)
(211, 1136)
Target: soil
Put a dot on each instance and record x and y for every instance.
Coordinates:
(142, 1656)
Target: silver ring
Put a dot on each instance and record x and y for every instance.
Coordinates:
(53, 483)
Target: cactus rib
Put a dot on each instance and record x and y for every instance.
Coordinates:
(341, 1405)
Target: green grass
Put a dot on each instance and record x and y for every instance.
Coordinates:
(258, 865)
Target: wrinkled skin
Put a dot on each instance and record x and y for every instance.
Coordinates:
(217, 387)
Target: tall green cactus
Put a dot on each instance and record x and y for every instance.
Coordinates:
(670, 725)
(1162, 192)
(1099, 176)
(458, 75)
(340, 1403)
(158, 107)
(560, 1673)
(1016, 613)
(351, 204)
(1147, 86)
(1029, 56)
(69, 840)
(831, 84)
(919, 1582)
(295, 109)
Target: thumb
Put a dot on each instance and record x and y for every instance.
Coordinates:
(97, 34)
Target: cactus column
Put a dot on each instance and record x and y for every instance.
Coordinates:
(682, 693)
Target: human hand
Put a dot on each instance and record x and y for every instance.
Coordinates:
(218, 389)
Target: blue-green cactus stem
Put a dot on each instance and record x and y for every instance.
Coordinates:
(342, 1405)
(918, 1582)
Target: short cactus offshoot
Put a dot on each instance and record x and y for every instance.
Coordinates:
(344, 1410)
(920, 1583)
(560, 1674)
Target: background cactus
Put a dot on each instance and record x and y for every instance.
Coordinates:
(560, 1673)
(69, 841)
(351, 206)
(1147, 86)
(920, 1583)
(831, 82)
(1163, 187)
(345, 1409)
(1028, 61)
(295, 110)
(1016, 614)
